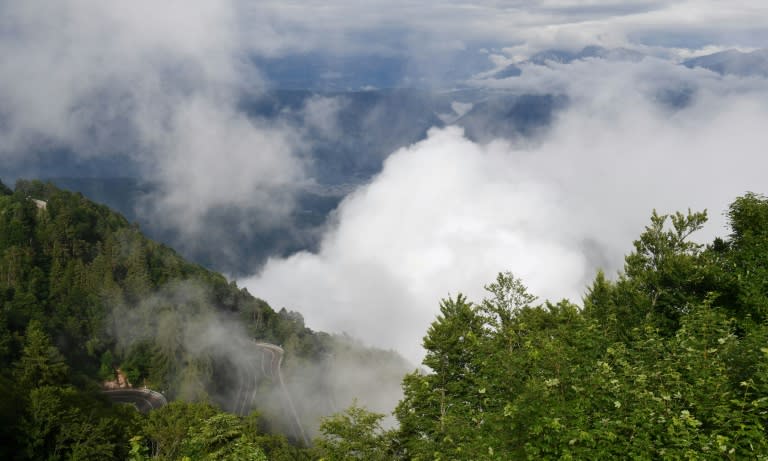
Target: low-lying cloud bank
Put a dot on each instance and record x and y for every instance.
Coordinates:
(155, 83)
(446, 214)
(160, 84)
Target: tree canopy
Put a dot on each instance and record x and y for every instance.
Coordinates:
(666, 360)
(84, 294)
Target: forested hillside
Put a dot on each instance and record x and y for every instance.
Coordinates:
(668, 360)
(84, 294)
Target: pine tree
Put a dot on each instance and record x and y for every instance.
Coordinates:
(41, 363)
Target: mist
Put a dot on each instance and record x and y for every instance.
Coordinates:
(215, 359)
(157, 91)
(155, 85)
(349, 27)
(446, 214)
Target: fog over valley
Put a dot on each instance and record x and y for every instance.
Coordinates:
(353, 163)
(533, 149)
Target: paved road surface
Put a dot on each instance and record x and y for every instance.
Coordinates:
(144, 400)
(268, 360)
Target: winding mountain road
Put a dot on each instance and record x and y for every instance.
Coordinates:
(268, 360)
(144, 400)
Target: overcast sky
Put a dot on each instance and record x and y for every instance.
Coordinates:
(159, 82)
(339, 24)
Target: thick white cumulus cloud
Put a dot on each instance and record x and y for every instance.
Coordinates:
(446, 214)
(442, 217)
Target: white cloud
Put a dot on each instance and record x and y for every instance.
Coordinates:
(156, 82)
(212, 156)
(445, 215)
(285, 26)
(160, 81)
(320, 113)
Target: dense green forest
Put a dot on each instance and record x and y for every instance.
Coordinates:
(668, 360)
(83, 294)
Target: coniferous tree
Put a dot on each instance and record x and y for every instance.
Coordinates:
(41, 363)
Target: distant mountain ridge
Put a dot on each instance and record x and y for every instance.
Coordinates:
(733, 62)
(729, 62)
(566, 57)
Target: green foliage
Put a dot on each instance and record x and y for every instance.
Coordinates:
(745, 265)
(509, 296)
(445, 414)
(664, 270)
(5, 190)
(106, 369)
(41, 364)
(169, 426)
(139, 450)
(221, 438)
(667, 362)
(72, 275)
(355, 434)
(197, 431)
(748, 218)
(60, 422)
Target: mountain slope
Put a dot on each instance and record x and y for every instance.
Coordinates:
(734, 62)
(95, 295)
